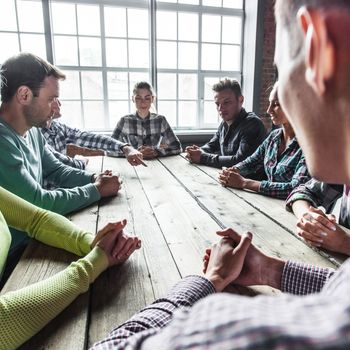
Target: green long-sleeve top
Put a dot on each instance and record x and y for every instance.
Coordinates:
(24, 312)
(24, 162)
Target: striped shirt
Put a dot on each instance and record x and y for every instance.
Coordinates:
(234, 143)
(284, 171)
(191, 316)
(153, 131)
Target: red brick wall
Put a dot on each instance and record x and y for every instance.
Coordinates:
(268, 71)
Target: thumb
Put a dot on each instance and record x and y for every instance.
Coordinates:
(229, 232)
(243, 246)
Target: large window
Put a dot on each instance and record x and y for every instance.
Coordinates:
(182, 46)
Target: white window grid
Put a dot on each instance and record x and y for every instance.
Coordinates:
(77, 107)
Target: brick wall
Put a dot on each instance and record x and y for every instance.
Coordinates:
(268, 71)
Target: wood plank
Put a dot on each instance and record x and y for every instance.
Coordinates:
(67, 331)
(150, 272)
(274, 209)
(234, 212)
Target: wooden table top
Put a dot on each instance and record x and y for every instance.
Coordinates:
(175, 208)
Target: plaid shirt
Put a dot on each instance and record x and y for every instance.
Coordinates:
(191, 319)
(321, 194)
(59, 135)
(154, 130)
(284, 171)
(234, 143)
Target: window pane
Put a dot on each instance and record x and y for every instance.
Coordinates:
(90, 51)
(166, 25)
(208, 87)
(168, 109)
(210, 56)
(88, 20)
(117, 109)
(10, 46)
(172, 1)
(231, 30)
(211, 115)
(136, 77)
(138, 54)
(92, 85)
(230, 59)
(187, 113)
(115, 21)
(118, 85)
(166, 54)
(71, 113)
(7, 15)
(166, 86)
(34, 43)
(70, 87)
(211, 28)
(234, 4)
(190, 2)
(66, 50)
(188, 26)
(30, 16)
(216, 3)
(63, 18)
(94, 115)
(188, 56)
(188, 86)
(137, 23)
(116, 53)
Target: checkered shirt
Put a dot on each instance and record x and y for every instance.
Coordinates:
(284, 171)
(59, 135)
(154, 131)
(234, 143)
(316, 317)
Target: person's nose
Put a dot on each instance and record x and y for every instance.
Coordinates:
(269, 109)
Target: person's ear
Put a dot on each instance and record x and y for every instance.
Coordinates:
(241, 99)
(24, 95)
(319, 49)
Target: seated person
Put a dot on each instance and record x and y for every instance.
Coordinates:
(148, 132)
(239, 134)
(316, 227)
(29, 98)
(279, 156)
(24, 312)
(59, 135)
(312, 57)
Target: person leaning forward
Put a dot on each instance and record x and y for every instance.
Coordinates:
(238, 135)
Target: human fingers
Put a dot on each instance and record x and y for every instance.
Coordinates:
(313, 227)
(118, 226)
(332, 218)
(242, 248)
(129, 242)
(136, 244)
(229, 232)
(319, 216)
(316, 240)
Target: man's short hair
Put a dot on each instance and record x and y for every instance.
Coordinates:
(286, 11)
(143, 85)
(25, 69)
(228, 84)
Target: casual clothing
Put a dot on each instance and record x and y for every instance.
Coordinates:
(192, 319)
(24, 312)
(63, 158)
(321, 194)
(284, 171)
(59, 135)
(234, 143)
(25, 162)
(153, 131)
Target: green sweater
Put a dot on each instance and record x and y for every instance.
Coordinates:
(24, 312)
(25, 161)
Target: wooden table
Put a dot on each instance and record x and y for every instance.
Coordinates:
(175, 207)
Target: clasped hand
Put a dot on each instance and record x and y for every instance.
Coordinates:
(230, 177)
(117, 245)
(193, 154)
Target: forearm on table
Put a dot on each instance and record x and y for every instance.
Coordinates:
(299, 207)
(252, 185)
